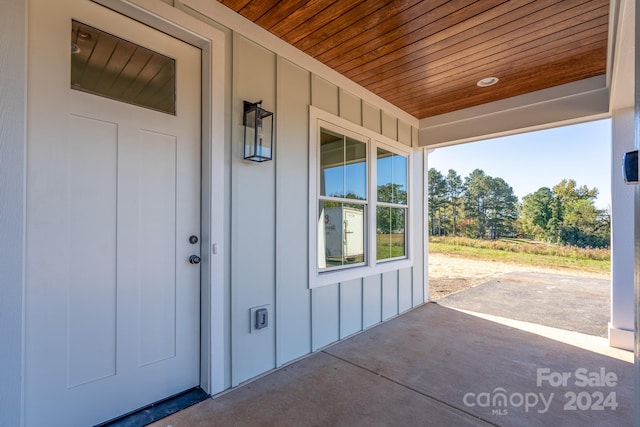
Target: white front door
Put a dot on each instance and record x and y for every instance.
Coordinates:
(113, 200)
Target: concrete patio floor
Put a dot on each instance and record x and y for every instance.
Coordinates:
(434, 366)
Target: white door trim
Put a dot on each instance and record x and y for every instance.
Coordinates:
(214, 324)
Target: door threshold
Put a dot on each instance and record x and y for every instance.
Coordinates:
(158, 410)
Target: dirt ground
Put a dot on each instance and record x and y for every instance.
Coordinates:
(450, 274)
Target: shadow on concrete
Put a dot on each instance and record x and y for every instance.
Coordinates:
(432, 366)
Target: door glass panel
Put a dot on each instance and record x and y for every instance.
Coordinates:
(105, 65)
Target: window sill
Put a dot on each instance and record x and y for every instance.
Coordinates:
(319, 279)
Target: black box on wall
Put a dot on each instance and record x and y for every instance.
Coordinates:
(630, 167)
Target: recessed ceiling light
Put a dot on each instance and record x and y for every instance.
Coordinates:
(487, 81)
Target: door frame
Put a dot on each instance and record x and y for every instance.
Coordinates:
(213, 322)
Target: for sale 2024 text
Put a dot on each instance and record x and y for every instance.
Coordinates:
(586, 399)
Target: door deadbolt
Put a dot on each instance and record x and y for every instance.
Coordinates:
(194, 259)
(193, 239)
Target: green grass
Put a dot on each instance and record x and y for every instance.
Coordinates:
(525, 252)
(390, 246)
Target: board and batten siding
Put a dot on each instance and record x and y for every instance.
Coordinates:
(13, 149)
(269, 222)
(293, 318)
(342, 309)
(253, 195)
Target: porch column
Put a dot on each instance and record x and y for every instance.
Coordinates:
(621, 326)
(636, 299)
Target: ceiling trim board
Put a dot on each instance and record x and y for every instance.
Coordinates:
(561, 105)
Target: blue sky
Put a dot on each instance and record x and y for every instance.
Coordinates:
(532, 160)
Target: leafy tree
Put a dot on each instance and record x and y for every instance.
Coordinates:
(437, 199)
(484, 206)
(568, 191)
(391, 219)
(476, 201)
(454, 191)
(537, 212)
(392, 193)
(566, 215)
(502, 209)
(584, 225)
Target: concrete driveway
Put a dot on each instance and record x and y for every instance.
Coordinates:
(572, 303)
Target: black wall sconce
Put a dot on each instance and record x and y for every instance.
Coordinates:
(630, 167)
(258, 132)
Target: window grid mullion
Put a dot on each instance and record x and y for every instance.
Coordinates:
(343, 200)
(391, 205)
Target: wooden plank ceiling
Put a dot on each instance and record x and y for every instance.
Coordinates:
(426, 56)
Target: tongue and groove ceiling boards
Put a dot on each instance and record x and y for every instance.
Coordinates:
(426, 56)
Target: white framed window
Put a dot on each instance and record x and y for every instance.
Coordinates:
(392, 206)
(359, 201)
(342, 198)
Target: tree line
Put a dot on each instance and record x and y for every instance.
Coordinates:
(482, 206)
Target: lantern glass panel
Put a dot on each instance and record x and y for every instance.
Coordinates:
(250, 133)
(265, 135)
(258, 134)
